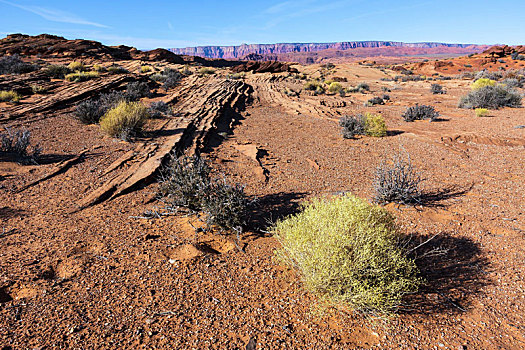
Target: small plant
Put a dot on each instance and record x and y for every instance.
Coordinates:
(159, 109)
(125, 120)
(482, 112)
(397, 182)
(88, 112)
(9, 96)
(375, 125)
(491, 97)
(386, 97)
(517, 56)
(312, 85)
(335, 87)
(363, 87)
(206, 71)
(375, 101)
(368, 124)
(352, 126)
(136, 90)
(512, 83)
(14, 65)
(436, 89)
(348, 252)
(478, 84)
(76, 66)
(38, 89)
(17, 144)
(56, 71)
(235, 76)
(485, 74)
(99, 68)
(81, 76)
(116, 69)
(187, 71)
(420, 112)
(172, 78)
(146, 69)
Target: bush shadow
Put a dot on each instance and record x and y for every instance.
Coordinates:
(454, 269)
(437, 197)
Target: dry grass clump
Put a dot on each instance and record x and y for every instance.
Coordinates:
(9, 96)
(206, 71)
(335, 87)
(17, 143)
(116, 69)
(125, 120)
(314, 85)
(77, 66)
(38, 89)
(56, 71)
(348, 251)
(81, 76)
(146, 69)
(368, 124)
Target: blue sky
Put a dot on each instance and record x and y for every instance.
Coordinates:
(180, 23)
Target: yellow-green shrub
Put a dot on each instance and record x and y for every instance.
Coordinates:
(206, 70)
(9, 96)
(146, 69)
(348, 251)
(335, 87)
(77, 66)
(81, 76)
(478, 84)
(481, 112)
(375, 125)
(124, 120)
(98, 68)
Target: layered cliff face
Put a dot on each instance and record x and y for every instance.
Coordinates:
(241, 51)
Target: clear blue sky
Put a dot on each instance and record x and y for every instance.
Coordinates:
(179, 23)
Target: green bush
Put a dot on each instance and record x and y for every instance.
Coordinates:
(482, 112)
(38, 89)
(335, 87)
(56, 71)
(314, 85)
(77, 66)
(375, 125)
(369, 124)
(125, 120)
(206, 70)
(115, 69)
(81, 76)
(146, 69)
(348, 251)
(9, 96)
(478, 84)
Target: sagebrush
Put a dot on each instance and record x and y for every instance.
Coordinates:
(125, 121)
(420, 112)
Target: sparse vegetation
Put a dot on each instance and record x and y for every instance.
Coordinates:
(17, 144)
(81, 76)
(14, 65)
(375, 101)
(437, 89)
(478, 84)
(485, 74)
(335, 87)
(88, 112)
(76, 66)
(57, 71)
(397, 182)
(314, 85)
(116, 69)
(512, 83)
(491, 97)
(369, 124)
(146, 69)
(206, 71)
(9, 96)
(125, 121)
(420, 112)
(99, 68)
(482, 112)
(136, 90)
(171, 78)
(348, 251)
(38, 89)
(159, 109)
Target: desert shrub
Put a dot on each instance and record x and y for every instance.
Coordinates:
(136, 90)
(185, 181)
(363, 87)
(99, 68)
(375, 125)
(512, 83)
(146, 69)
(14, 65)
(9, 96)
(125, 120)
(111, 100)
(187, 71)
(236, 76)
(312, 85)
(158, 109)
(478, 84)
(386, 97)
(348, 251)
(76, 66)
(385, 89)
(481, 112)
(397, 182)
(116, 69)
(17, 143)
(491, 97)
(225, 205)
(420, 112)
(88, 112)
(56, 71)
(289, 92)
(335, 87)
(375, 101)
(436, 89)
(352, 125)
(172, 78)
(81, 76)
(206, 71)
(517, 56)
(38, 89)
(328, 65)
(485, 74)
(158, 77)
